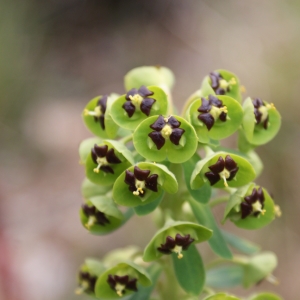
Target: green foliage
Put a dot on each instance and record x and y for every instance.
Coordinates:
(146, 158)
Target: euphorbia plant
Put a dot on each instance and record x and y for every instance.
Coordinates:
(145, 159)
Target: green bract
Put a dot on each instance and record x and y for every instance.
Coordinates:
(257, 134)
(149, 75)
(257, 213)
(135, 187)
(231, 109)
(100, 215)
(103, 177)
(147, 158)
(221, 296)
(85, 148)
(228, 85)
(177, 150)
(243, 175)
(96, 116)
(197, 232)
(90, 189)
(133, 271)
(259, 267)
(87, 276)
(120, 116)
(265, 296)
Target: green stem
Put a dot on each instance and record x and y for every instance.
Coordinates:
(126, 139)
(189, 101)
(208, 290)
(170, 289)
(235, 260)
(219, 200)
(208, 151)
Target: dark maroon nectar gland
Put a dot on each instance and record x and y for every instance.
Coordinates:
(99, 111)
(86, 283)
(219, 84)
(253, 204)
(95, 216)
(222, 169)
(122, 283)
(212, 110)
(177, 245)
(138, 99)
(140, 180)
(166, 128)
(261, 112)
(103, 157)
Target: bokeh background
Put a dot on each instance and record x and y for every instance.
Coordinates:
(56, 55)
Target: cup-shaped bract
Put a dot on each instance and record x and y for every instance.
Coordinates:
(85, 148)
(107, 161)
(90, 189)
(175, 237)
(87, 276)
(121, 280)
(258, 268)
(261, 121)
(222, 82)
(158, 138)
(100, 215)
(250, 207)
(221, 296)
(221, 170)
(150, 75)
(129, 110)
(97, 118)
(265, 296)
(143, 183)
(215, 117)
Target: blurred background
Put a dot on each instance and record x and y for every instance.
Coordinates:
(57, 55)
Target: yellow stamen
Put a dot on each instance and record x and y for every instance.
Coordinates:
(119, 289)
(270, 106)
(224, 109)
(232, 81)
(225, 174)
(136, 99)
(119, 293)
(79, 291)
(178, 250)
(277, 211)
(96, 170)
(96, 113)
(91, 221)
(166, 131)
(257, 206)
(243, 89)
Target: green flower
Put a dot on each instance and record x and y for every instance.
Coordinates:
(175, 237)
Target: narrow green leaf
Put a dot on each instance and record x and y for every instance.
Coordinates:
(144, 293)
(190, 271)
(240, 244)
(217, 242)
(224, 277)
(202, 194)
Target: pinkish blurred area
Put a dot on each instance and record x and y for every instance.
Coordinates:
(57, 55)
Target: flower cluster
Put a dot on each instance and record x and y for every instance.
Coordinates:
(146, 159)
